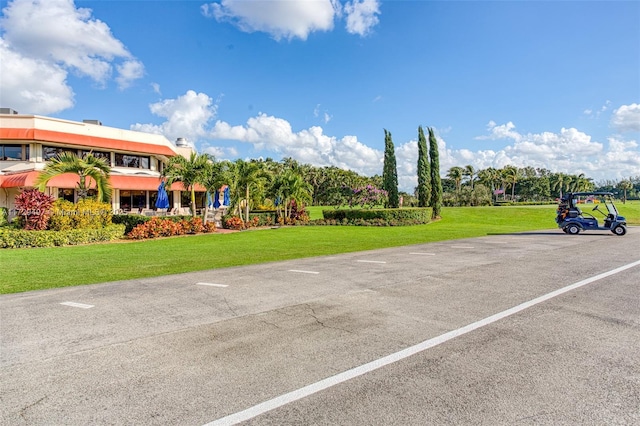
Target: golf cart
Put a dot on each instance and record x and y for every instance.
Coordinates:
(571, 219)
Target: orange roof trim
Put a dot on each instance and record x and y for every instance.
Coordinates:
(70, 180)
(23, 134)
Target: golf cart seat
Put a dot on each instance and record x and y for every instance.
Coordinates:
(573, 213)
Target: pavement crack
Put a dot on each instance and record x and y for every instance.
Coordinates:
(321, 323)
(23, 411)
(233, 311)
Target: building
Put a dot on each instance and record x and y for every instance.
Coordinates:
(136, 158)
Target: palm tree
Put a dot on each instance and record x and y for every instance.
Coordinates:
(559, 182)
(216, 174)
(189, 171)
(625, 185)
(291, 186)
(511, 174)
(455, 174)
(469, 172)
(491, 178)
(246, 175)
(89, 169)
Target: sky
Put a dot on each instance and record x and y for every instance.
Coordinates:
(550, 84)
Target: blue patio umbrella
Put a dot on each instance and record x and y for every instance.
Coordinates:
(216, 200)
(163, 199)
(209, 200)
(227, 200)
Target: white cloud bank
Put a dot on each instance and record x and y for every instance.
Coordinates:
(44, 40)
(567, 151)
(289, 19)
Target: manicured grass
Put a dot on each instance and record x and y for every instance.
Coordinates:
(630, 210)
(33, 269)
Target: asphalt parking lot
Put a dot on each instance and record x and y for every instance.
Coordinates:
(530, 328)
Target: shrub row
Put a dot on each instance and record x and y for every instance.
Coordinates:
(379, 217)
(523, 203)
(20, 238)
(167, 227)
(130, 221)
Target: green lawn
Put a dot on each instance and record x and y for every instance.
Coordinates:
(33, 269)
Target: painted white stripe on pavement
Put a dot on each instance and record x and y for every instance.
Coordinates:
(77, 305)
(424, 254)
(371, 261)
(462, 247)
(303, 272)
(297, 394)
(213, 284)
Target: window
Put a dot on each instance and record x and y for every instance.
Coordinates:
(131, 200)
(66, 194)
(135, 161)
(14, 152)
(99, 154)
(48, 152)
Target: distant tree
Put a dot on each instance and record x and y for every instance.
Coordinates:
(436, 184)
(455, 173)
(470, 173)
(511, 175)
(625, 185)
(424, 171)
(390, 172)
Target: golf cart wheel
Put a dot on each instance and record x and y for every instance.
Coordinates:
(620, 230)
(572, 229)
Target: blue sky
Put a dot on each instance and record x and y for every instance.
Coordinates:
(527, 83)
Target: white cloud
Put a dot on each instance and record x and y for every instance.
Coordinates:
(626, 118)
(362, 16)
(187, 116)
(289, 19)
(286, 19)
(568, 150)
(55, 37)
(268, 133)
(32, 85)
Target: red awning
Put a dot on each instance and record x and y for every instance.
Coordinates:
(70, 180)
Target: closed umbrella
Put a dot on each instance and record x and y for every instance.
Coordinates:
(227, 200)
(163, 199)
(216, 200)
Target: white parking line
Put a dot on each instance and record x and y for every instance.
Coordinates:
(77, 305)
(213, 285)
(303, 272)
(424, 254)
(371, 261)
(297, 394)
(462, 247)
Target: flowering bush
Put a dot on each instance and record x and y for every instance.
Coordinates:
(233, 222)
(368, 196)
(34, 209)
(163, 227)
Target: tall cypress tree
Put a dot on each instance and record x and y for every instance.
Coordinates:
(436, 184)
(390, 172)
(424, 171)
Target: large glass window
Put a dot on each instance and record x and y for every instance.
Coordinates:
(133, 200)
(135, 161)
(14, 152)
(48, 152)
(99, 154)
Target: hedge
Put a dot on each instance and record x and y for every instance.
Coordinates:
(376, 217)
(130, 221)
(20, 238)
